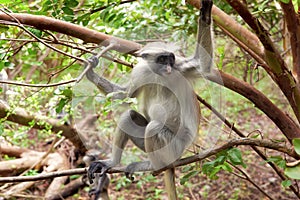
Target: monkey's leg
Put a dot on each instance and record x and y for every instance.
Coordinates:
(100, 189)
(164, 147)
(131, 126)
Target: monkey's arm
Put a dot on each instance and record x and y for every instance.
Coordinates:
(103, 84)
(201, 62)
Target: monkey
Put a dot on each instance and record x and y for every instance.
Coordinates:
(169, 114)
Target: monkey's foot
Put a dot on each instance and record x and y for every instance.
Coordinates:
(97, 167)
(130, 169)
(137, 167)
(94, 192)
(205, 11)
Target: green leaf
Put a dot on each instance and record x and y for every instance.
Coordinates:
(207, 167)
(186, 177)
(235, 156)
(226, 167)
(3, 28)
(36, 32)
(1, 129)
(285, 1)
(279, 161)
(67, 10)
(71, 3)
(286, 183)
(61, 105)
(67, 93)
(213, 173)
(296, 143)
(84, 19)
(293, 172)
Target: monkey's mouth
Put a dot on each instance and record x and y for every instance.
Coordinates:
(169, 69)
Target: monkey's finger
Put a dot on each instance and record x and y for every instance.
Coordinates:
(104, 170)
(93, 60)
(90, 177)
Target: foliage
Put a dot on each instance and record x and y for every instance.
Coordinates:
(232, 156)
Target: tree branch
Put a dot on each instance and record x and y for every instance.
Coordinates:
(198, 157)
(280, 72)
(293, 27)
(85, 34)
(281, 120)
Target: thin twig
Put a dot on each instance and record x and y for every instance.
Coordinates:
(248, 178)
(38, 85)
(20, 25)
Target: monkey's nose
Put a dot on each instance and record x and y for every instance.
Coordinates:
(169, 69)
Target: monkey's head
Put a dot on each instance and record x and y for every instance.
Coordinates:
(161, 60)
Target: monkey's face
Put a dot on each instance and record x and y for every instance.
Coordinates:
(160, 63)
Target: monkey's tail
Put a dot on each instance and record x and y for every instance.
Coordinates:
(169, 177)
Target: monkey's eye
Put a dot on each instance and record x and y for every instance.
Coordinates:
(162, 59)
(144, 55)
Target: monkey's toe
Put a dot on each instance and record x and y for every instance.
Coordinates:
(96, 167)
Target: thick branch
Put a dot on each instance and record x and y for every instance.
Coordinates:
(288, 127)
(198, 157)
(293, 27)
(85, 34)
(280, 72)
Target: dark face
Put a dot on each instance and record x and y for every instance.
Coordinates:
(166, 59)
(165, 62)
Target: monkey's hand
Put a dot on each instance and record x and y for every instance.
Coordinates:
(136, 167)
(205, 11)
(100, 166)
(94, 61)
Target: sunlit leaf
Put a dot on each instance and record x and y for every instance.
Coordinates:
(67, 10)
(293, 172)
(285, 1)
(296, 143)
(286, 183)
(278, 160)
